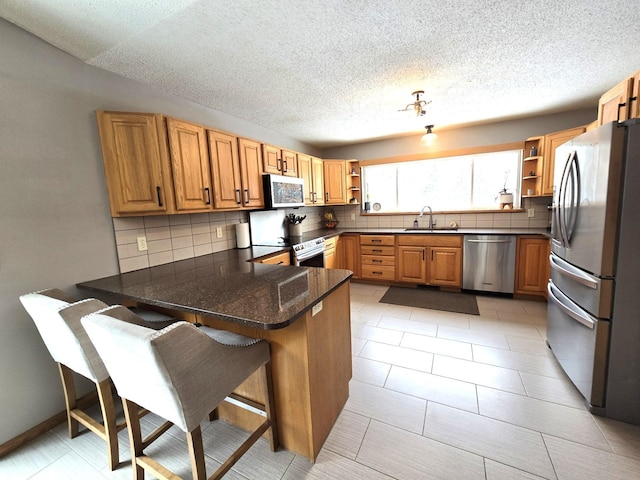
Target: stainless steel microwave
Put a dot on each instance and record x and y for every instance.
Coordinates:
(281, 191)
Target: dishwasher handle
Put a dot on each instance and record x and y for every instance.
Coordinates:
(488, 241)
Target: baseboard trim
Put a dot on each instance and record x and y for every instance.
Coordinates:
(43, 427)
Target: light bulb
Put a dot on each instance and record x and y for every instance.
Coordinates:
(428, 138)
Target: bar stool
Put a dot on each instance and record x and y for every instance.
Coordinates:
(57, 318)
(181, 373)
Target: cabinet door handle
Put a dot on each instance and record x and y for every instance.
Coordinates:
(377, 273)
(238, 199)
(326, 197)
(620, 105)
(423, 259)
(377, 250)
(286, 167)
(375, 260)
(432, 255)
(206, 189)
(247, 200)
(159, 196)
(376, 240)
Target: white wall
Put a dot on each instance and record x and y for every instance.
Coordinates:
(465, 137)
(55, 225)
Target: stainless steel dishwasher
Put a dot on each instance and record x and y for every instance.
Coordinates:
(489, 263)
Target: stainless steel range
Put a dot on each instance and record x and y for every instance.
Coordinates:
(269, 228)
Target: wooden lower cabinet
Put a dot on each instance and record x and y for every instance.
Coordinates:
(412, 264)
(348, 250)
(532, 266)
(378, 257)
(445, 268)
(430, 259)
(311, 368)
(331, 253)
(283, 258)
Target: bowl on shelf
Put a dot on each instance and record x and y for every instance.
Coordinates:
(330, 223)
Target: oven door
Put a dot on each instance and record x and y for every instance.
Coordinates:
(313, 260)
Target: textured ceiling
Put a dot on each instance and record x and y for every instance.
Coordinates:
(334, 72)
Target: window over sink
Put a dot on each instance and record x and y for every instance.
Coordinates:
(455, 183)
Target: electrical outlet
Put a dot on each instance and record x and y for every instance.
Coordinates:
(531, 213)
(218, 232)
(316, 309)
(142, 243)
(353, 216)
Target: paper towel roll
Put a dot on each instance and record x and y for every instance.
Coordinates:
(242, 235)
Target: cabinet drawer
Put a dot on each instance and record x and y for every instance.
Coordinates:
(330, 243)
(431, 240)
(378, 272)
(373, 250)
(376, 260)
(377, 240)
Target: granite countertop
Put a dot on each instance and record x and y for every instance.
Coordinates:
(326, 232)
(227, 286)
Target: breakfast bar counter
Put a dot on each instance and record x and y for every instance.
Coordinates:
(303, 312)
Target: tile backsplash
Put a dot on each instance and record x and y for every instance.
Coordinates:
(177, 237)
(504, 219)
(173, 237)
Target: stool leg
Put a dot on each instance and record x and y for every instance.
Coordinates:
(69, 387)
(109, 419)
(270, 408)
(135, 437)
(196, 452)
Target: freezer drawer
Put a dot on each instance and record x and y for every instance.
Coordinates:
(579, 342)
(593, 294)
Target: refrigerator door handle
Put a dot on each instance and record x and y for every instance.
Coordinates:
(568, 270)
(570, 308)
(561, 210)
(574, 178)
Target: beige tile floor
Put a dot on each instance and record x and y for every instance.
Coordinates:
(434, 395)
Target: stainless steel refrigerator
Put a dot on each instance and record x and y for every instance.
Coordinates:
(593, 325)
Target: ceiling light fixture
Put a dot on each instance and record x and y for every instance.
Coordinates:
(417, 106)
(428, 138)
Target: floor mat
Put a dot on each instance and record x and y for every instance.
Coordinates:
(430, 298)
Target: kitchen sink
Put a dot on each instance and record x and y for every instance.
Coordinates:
(427, 229)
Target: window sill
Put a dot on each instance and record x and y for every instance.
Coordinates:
(446, 212)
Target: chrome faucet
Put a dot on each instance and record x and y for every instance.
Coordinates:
(431, 225)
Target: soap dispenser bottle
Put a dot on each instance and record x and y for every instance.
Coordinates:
(415, 223)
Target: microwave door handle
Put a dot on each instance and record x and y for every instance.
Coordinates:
(569, 308)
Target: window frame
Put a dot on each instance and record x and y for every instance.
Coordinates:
(445, 154)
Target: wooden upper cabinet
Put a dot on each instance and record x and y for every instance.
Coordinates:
(551, 142)
(279, 161)
(225, 166)
(250, 153)
(190, 166)
(614, 104)
(317, 171)
(335, 188)
(138, 177)
(310, 169)
(634, 111)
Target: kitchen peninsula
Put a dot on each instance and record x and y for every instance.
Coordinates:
(302, 312)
